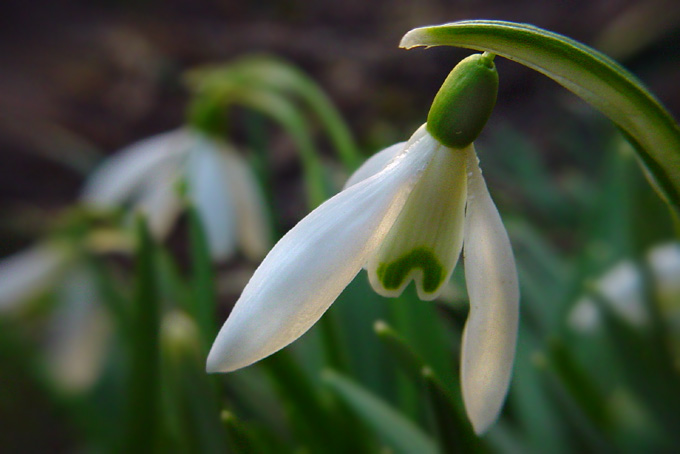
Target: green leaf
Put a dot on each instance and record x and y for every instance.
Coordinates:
(143, 404)
(191, 401)
(535, 412)
(308, 415)
(576, 381)
(241, 440)
(399, 433)
(452, 426)
(648, 369)
(591, 75)
(204, 301)
(562, 382)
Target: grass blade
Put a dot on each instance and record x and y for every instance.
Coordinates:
(143, 403)
(399, 433)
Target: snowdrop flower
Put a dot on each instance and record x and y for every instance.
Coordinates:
(78, 332)
(622, 288)
(220, 185)
(78, 328)
(404, 215)
(28, 274)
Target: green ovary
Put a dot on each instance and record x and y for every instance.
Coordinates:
(392, 274)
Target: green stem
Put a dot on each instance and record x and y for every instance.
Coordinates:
(591, 75)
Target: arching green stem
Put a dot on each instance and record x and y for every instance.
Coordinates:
(284, 113)
(274, 74)
(594, 77)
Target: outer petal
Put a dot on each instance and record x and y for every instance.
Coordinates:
(309, 267)
(125, 172)
(621, 288)
(208, 175)
(160, 202)
(252, 221)
(375, 164)
(26, 274)
(491, 330)
(78, 332)
(425, 241)
(664, 260)
(584, 316)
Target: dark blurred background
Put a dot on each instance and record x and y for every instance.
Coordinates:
(80, 79)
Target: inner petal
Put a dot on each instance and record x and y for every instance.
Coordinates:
(424, 243)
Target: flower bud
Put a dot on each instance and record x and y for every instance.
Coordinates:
(464, 102)
(180, 337)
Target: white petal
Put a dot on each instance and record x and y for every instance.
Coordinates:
(309, 267)
(252, 221)
(120, 175)
(26, 274)
(207, 176)
(79, 333)
(375, 164)
(622, 290)
(160, 202)
(584, 316)
(664, 260)
(425, 241)
(490, 332)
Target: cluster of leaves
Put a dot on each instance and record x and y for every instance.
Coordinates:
(383, 373)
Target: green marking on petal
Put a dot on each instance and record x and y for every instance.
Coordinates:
(392, 274)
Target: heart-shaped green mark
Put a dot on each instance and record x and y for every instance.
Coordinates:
(392, 274)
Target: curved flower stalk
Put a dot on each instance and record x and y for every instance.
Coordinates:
(591, 75)
(146, 176)
(263, 72)
(404, 215)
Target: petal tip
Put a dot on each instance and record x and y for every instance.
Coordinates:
(481, 425)
(219, 363)
(481, 415)
(212, 365)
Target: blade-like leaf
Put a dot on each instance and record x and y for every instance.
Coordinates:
(303, 403)
(591, 75)
(452, 426)
(143, 393)
(401, 434)
(204, 299)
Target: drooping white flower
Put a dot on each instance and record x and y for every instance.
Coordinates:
(622, 289)
(404, 215)
(29, 273)
(78, 327)
(220, 185)
(78, 332)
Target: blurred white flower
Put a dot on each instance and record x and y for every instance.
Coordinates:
(78, 326)
(622, 289)
(404, 215)
(146, 176)
(30, 273)
(78, 333)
